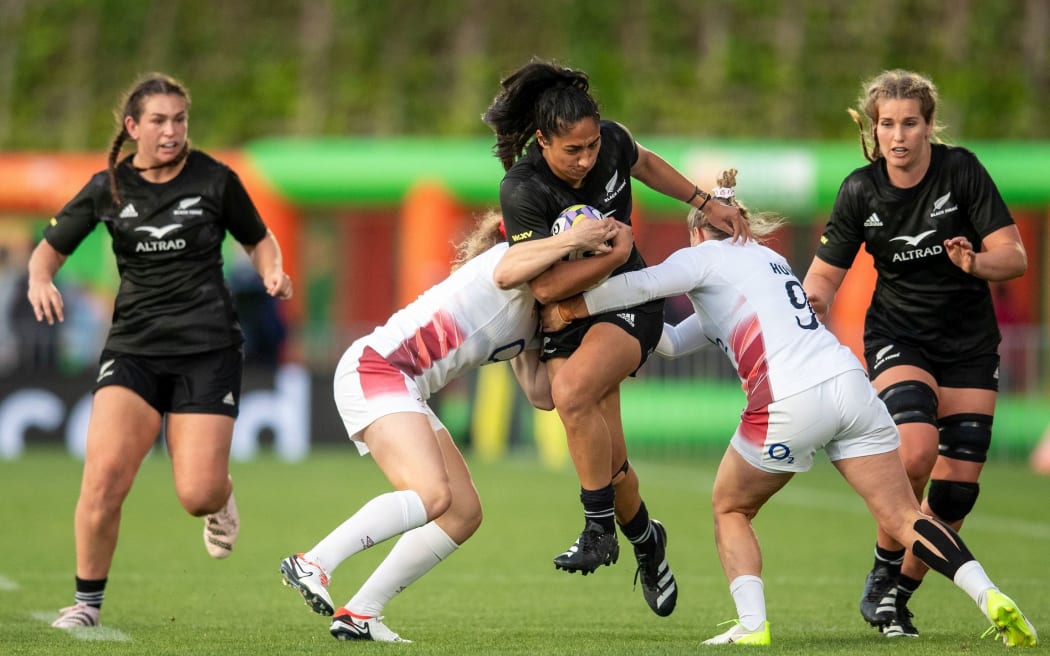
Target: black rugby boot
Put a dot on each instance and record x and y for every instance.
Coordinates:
(595, 547)
(880, 584)
(658, 585)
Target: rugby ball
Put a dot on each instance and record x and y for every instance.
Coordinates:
(569, 217)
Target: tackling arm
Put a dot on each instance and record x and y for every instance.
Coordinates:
(527, 260)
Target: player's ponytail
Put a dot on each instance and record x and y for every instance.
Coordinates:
(538, 96)
(762, 224)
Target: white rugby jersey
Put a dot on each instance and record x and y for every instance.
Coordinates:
(749, 304)
(461, 323)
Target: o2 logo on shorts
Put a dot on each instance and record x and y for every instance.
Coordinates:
(507, 351)
(780, 452)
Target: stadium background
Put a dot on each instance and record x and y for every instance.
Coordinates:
(359, 135)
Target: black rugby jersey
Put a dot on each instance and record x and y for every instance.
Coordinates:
(531, 196)
(167, 239)
(920, 297)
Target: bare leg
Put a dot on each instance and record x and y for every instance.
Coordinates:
(121, 432)
(199, 446)
(740, 491)
(579, 384)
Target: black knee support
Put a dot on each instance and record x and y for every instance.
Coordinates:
(910, 402)
(952, 500)
(965, 436)
(953, 552)
(620, 473)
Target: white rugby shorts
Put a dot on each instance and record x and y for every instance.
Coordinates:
(841, 415)
(367, 387)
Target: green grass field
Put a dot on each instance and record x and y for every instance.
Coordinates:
(499, 594)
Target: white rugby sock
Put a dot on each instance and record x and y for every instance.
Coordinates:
(749, 595)
(381, 518)
(415, 554)
(972, 578)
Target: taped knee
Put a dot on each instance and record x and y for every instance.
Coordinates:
(965, 436)
(951, 553)
(910, 402)
(952, 500)
(621, 473)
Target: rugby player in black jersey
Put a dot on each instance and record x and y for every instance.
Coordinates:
(938, 231)
(557, 152)
(173, 355)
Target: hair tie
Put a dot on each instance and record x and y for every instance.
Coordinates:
(726, 193)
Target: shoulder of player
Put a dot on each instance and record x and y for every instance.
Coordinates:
(99, 182)
(707, 253)
(955, 157)
(615, 129)
(523, 186)
(616, 138)
(205, 163)
(522, 172)
(862, 177)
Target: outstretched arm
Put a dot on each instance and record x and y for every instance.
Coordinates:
(564, 279)
(678, 274)
(684, 338)
(657, 174)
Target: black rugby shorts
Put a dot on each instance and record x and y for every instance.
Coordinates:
(644, 322)
(201, 383)
(975, 371)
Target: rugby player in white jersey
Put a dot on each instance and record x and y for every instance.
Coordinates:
(805, 391)
(483, 312)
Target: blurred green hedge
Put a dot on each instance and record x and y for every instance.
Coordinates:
(710, 68)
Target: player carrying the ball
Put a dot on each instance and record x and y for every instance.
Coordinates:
(558, 152)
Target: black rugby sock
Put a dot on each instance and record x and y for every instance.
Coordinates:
(598, 506)
(90, 591)
(891, 559)
(639, 529)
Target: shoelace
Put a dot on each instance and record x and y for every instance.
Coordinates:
(993, 629)
(638, 572)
